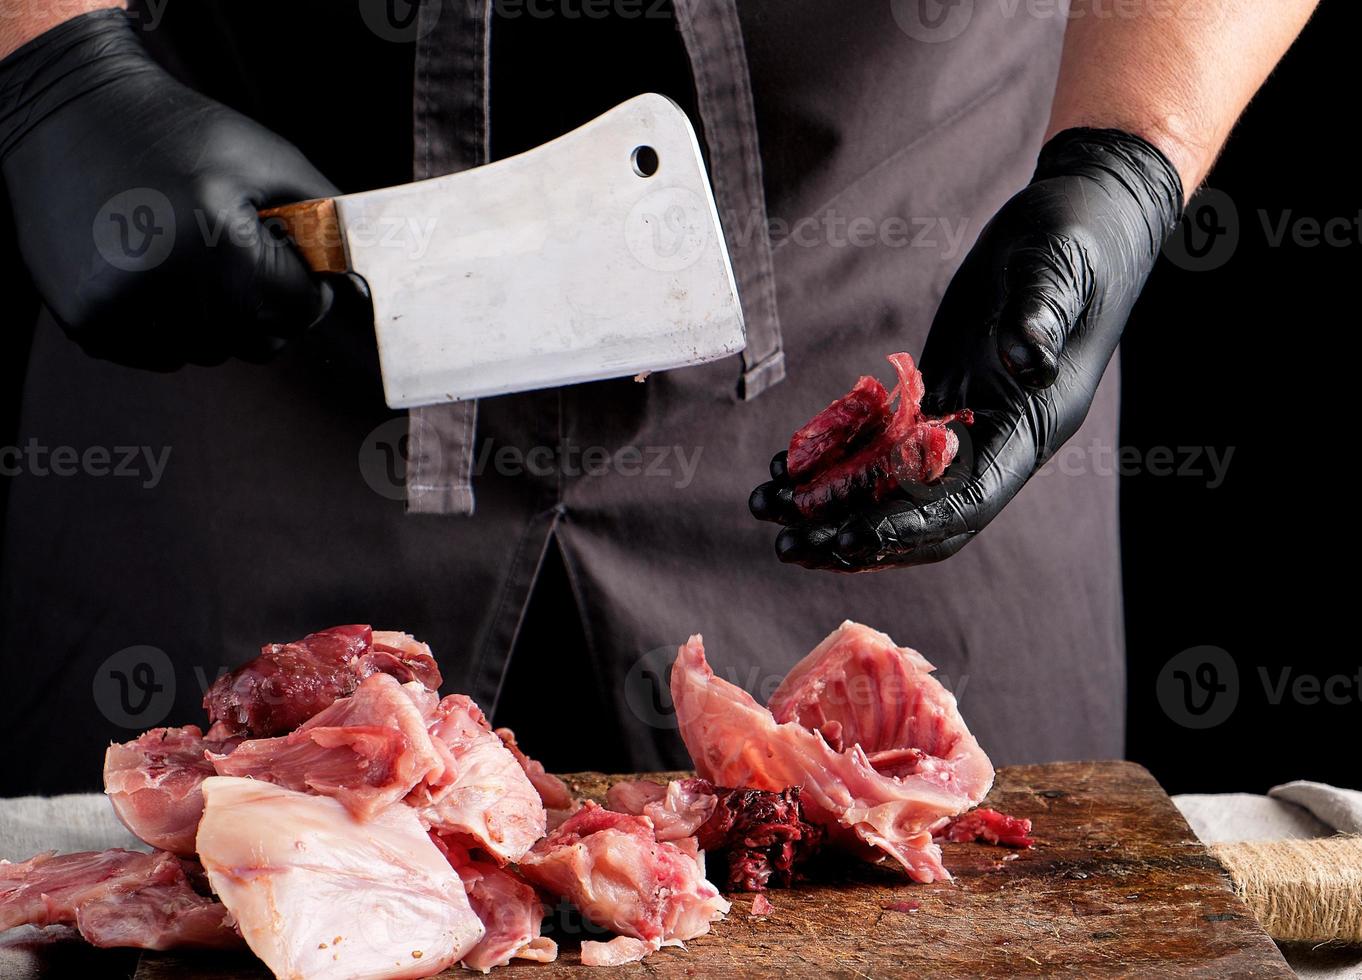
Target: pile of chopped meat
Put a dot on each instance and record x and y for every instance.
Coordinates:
(862, 449)
(340, 818)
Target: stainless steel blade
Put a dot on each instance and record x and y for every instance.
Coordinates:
(595, 256)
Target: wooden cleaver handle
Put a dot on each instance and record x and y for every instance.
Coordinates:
(315, 229)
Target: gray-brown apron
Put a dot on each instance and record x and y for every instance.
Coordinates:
(855, 150)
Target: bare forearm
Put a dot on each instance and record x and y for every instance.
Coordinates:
(21, 22)
(1176, 72)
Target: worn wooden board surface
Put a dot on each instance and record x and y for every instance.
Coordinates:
(1117, 886)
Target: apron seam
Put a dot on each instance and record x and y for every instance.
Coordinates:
(559, 537)
(481, 667)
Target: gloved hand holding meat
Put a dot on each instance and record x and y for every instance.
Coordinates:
(1015, 354)
(340, 819)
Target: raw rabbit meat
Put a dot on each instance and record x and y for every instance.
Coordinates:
(115, 898)
(677, 810)
(290, 682)
(317, 893)
(621, 878)
(920, 767)
(368, 750)
(509, 909)
(485, 799)
(153, 783)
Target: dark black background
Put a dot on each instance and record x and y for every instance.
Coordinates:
(1259, 355)
(1254, 355)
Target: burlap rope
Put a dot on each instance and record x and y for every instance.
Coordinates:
(1300, 890)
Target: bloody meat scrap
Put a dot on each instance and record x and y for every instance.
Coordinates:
(988, 827)
(761, 835)
(859, 449)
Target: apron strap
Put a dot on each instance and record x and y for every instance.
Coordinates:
(450, 134)
(714, 42)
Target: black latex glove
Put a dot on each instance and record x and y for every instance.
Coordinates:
(135, 203)
(1022, 337)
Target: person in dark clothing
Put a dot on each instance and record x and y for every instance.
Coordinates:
(985, 184)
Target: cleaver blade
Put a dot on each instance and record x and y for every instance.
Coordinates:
(597, 255)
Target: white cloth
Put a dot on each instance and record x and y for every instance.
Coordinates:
(30, 825)
(1291, 811)
(79, 822)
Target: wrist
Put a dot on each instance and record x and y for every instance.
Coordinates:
(60, 66)
(18, 30)
(1122, 160)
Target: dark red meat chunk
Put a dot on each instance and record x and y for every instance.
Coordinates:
(850, 421)
(290, 682)
(762, 836)
(859, 450)
(988, 827)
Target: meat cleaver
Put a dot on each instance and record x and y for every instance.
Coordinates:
(597, 255)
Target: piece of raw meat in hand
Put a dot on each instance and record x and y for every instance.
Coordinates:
(509, 909)
(317, 893)
(153, 783)
(290, 682)
(858, 451)
(850, 421)
(368, 750)
(920, 764)
(609, 865)
(485, 799)
(116, 898)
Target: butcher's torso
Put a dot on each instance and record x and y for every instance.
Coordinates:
(856, 151)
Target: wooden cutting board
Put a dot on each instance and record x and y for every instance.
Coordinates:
(1117, 886)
